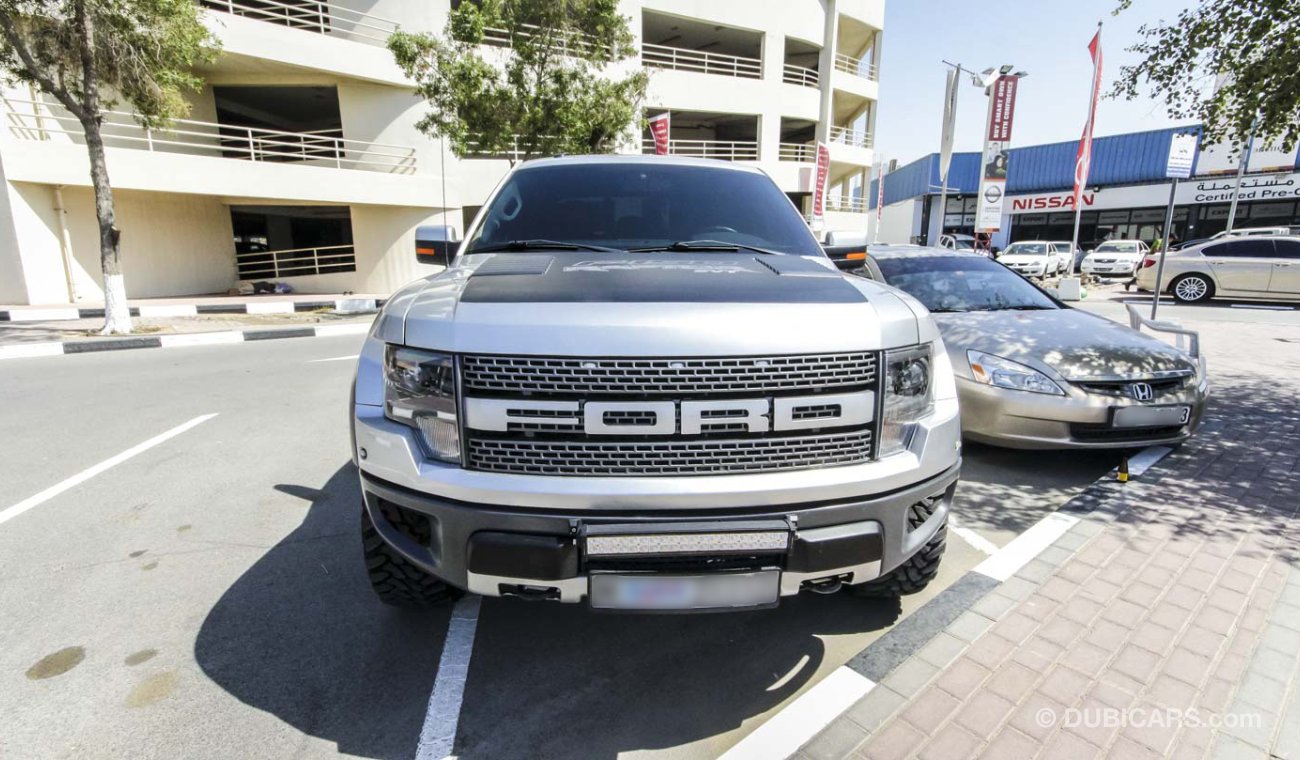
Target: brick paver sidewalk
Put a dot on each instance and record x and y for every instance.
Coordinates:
(1164, 624)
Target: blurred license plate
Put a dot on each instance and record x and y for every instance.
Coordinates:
(1151, 416)
(684, 592)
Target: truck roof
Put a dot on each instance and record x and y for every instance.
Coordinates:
(637, 160)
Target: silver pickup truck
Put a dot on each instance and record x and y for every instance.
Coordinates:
(640, 382)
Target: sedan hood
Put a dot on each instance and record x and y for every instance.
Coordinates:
(1073, 344)
(1026, 258)
(653, 304)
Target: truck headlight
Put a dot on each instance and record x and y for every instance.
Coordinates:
(909, 396)
(1004, 373)
(420, 391)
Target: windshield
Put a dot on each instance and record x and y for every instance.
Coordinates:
(1061, 247)
(1117, 248)
(643, 205)
(962, 283)
(964, 244)
(1027, 248)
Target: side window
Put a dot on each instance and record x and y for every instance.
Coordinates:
(1248, 248)
(1287, 249)
(1220, 249)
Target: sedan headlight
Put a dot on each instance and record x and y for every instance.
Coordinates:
(1004, 373)
(909, 396)
(420, 391)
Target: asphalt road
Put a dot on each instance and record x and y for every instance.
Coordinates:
(205, 597)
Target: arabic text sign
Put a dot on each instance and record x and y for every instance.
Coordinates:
(1182, 154)
(819, 189)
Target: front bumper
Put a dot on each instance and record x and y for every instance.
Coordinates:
(497, 550)
(1079, 420)
(1119, 267)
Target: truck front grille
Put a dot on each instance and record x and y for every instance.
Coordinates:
(683, 377)
(540, 440)
(643, 457)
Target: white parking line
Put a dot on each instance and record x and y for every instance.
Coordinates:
(90, 472)
(976, 541)
(439, 731)
(334, 359)
(1144, 459)
(1261, 307)
(1024, 547)
(800, 720)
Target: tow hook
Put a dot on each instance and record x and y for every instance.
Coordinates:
(825, 585)
(530, 593)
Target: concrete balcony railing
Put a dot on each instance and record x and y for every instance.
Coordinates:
(844, 203)
(681, 59)
(295, 262)
(858, 138)
(312, 16)
(858, 67)
(801, 75)
(29, 120)
(797, 152)
(726, 150)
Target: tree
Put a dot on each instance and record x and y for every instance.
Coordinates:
(1225, 62)
(89, 55)
(554, 89)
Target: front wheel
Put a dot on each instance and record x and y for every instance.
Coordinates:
(395, 579)
(919, 569)
(1192, 288)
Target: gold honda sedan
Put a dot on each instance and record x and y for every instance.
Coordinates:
(1033, 373)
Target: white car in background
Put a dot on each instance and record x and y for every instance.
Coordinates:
(1116, 257)
(1031, 258)
(1068, 260)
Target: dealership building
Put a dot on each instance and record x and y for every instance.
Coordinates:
(300, 161)
(1126, 197)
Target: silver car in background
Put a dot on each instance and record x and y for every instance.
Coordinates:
(1255, 267)
(1033, 373)
(1115, 257)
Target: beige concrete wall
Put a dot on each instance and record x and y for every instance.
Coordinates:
(172, 245)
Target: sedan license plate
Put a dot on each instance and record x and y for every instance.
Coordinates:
(662, 593)
(1151, 416)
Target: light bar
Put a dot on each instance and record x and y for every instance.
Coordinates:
(687, 543)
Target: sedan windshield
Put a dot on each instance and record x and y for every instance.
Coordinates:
(1029, 249)
(962, 283)
(643, 206)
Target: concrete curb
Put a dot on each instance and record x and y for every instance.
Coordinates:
(53, 348)
(880, 679)
(260, 306)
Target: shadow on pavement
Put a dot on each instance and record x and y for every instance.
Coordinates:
(301, 636)
(1010, 489)
(562, 681)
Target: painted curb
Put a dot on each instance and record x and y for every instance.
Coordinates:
(344, 305)
(907, 638)
(29, 350)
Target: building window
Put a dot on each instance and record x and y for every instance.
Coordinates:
(275, 242)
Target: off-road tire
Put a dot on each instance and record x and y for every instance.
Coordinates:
(395, 579)
(919, 569)
(1206, 294)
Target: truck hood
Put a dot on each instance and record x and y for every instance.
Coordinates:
(1073, 344)
(652, 304)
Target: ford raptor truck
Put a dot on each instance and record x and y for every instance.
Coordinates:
(641, 383)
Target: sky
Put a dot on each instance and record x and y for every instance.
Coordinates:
(1047, 38)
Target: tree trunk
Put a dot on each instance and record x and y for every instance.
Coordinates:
(117, 315)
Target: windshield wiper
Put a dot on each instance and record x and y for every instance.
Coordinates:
(541, 245)
(705, 245)
(1029, 307)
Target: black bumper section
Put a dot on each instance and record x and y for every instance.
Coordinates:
(448, 538)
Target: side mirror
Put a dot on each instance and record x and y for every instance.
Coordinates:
(435, 244)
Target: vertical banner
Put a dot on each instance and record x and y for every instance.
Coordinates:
(880, 192)
(659, 130)
(819, 186)
(1083, 157)
(949, 124)
(997, 139)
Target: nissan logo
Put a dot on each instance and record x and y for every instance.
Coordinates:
(993, 193)
(1142, 391)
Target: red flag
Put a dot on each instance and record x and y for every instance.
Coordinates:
(1083, 159)
(819, 189)
(659, 129)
